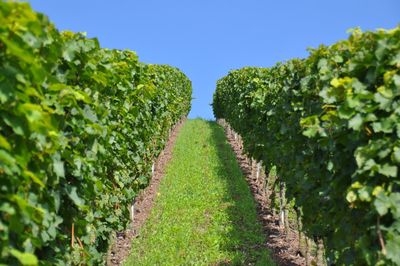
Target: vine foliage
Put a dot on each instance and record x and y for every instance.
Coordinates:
(330, 123)
(80, 127)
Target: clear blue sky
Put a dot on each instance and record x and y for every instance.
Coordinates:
(207, 38)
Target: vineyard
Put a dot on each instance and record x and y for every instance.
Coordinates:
(82, 129)
(330, 124)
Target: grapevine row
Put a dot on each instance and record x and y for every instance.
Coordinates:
(80, 127)
(330, 123)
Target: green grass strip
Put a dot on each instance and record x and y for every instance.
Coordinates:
(204, 213)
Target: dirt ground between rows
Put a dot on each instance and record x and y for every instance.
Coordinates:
(283, 248)
(121, 248)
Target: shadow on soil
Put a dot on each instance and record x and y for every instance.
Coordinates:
(246, 238)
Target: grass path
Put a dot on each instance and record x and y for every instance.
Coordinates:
(204, 213)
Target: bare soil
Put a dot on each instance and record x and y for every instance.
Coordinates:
(283, 245)
(121, 247)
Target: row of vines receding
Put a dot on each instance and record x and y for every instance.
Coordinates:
(330, 124)
(80, 127)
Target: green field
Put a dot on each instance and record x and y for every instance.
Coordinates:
(204, 213)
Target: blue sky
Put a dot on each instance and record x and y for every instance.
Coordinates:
(207, 38)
